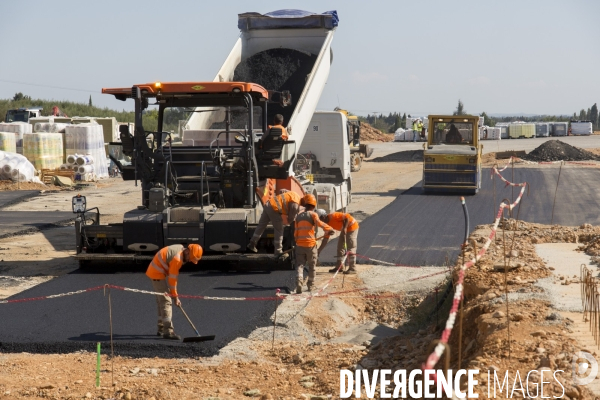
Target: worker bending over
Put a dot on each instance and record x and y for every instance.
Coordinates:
(164, 271)
(306, 243)
(287, 203)
(348, 240)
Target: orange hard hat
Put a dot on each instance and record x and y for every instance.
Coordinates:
(195, 253)
(310, 199)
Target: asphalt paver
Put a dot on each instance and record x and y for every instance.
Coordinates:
(419, 229)
(79, 321)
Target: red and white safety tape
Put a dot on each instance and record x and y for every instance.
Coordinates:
(435, 356)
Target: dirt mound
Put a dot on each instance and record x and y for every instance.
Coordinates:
(401, 156)
(10, 185)
(555, 150)
(368, 133)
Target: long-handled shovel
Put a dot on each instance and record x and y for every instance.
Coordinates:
(198, 338)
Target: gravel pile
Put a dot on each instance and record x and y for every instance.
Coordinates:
(368, 133)
(555, 150)
(401, 156)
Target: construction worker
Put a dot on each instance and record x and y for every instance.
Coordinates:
(453, 136)
(287, 203)
(415, 127)
(306, 244)
(278, 123)
(164, 271)
(348, 240)
(421, 128)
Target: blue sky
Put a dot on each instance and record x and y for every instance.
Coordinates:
(417, 57)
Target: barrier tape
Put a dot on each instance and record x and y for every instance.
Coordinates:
(385, 262)
(52, 296)
(437, 353)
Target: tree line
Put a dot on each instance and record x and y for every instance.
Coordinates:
(73, 109)
(591, 114)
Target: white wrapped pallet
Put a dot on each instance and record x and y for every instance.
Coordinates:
(579, 128)
(542, 129)
(491, 133)
(8, 142)
(560, 128)
(16, 167)
(399, 135)
(19, 129)
(44, 150)
(88, 140)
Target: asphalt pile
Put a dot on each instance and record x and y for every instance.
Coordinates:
(279, 70)
(401, 156)
(368, 133)
(555, 150)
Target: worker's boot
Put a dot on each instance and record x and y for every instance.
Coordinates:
(252, 247)
(350, 271)
(171, 336)
(159, 330)
(299, 286)
(335, 269)
(310, 285)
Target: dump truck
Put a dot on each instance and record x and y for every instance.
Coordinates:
(22, 114)
(358, 151)
(210, 190)
(452, 155)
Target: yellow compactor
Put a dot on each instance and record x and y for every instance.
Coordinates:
(452, 155)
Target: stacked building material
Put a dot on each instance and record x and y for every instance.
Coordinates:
(560, 128)
(581, 128)
(19, 129)
(16, 167)
(43, 149)
(85, 147)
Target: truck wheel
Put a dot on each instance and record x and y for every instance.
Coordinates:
(355, 162)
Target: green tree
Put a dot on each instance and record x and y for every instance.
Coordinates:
(397, 124)
(20, 96)
(594, 115)
(90, 102)
(460, 109)
(582, 116)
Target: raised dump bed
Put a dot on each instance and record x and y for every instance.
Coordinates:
(283, 50)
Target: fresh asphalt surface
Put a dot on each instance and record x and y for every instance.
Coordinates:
(415, 229)
(79, 321)
(422, 230)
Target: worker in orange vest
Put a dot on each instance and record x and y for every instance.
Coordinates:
(164, 271)
(286, 204)
(306, 244)
(278, 123)
(348, 240)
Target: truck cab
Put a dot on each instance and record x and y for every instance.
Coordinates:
(325, 157)
(452, 155)
(22, 114)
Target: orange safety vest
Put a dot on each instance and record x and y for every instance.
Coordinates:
(336, 221)
(166, 263)
(284, 133)
(281, 203)
(304, 232)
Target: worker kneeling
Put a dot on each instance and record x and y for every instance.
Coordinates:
(306, 243)
(164, 271)
(348, 240)
(287, 203)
